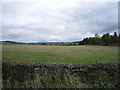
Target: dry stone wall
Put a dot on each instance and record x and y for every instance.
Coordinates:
(88, 73)
(52, 68)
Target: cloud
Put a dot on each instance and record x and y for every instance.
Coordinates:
(57, 20)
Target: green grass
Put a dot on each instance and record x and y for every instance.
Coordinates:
(59, 54)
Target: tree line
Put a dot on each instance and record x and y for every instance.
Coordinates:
(106, 39)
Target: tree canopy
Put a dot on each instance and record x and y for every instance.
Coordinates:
(106, 39)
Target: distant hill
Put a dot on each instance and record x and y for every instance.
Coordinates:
(10, 42)
(42, 43)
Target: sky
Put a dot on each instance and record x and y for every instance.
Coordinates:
(57, 20)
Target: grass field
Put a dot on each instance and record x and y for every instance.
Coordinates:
(59, 54)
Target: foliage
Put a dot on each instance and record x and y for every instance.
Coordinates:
(106, 39)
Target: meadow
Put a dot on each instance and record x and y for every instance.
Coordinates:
(59, 54)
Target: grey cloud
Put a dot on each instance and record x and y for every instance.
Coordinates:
(96, 17)
(29, 22)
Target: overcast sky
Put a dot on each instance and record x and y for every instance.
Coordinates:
(57, 20)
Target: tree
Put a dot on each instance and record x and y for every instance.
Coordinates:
(106, 38)
(85, 41)
(111, 39)
(97, 41)
(119, 39)
(115, 38)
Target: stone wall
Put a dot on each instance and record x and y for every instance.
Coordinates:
(20, 71)
(38, 67)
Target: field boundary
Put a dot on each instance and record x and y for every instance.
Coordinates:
(105, 75)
